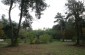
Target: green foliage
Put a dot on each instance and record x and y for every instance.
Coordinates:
(23, 33)
(61, 20)
(45, 38)
(76, 8)
(1, 31)
(24, 5)
(36, 36)
(31, 37)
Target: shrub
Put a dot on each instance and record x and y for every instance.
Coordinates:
(31, 37)
(45, 38)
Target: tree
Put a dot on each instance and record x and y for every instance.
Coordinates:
(24, 5)
(61, 21)
(10, 3)
(6, 27)
(27, 24)
(76, 8)
(70, 28)
(39, 6)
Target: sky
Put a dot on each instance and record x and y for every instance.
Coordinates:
(47, 19)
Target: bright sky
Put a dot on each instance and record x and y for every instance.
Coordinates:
(47, 19)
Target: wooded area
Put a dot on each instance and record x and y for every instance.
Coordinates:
(69, 30)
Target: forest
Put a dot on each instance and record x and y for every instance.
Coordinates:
(67, 37)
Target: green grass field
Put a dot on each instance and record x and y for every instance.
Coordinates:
(55, 48)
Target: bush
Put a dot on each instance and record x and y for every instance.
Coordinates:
(31, 37)
(45, 38)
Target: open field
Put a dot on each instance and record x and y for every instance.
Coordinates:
(55, 48)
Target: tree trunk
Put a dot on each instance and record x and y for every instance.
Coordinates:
(62, 34)
(78, 31)
(17, 34)
(10, 8)
(81, 31)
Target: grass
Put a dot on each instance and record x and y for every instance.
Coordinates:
(55, 48)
